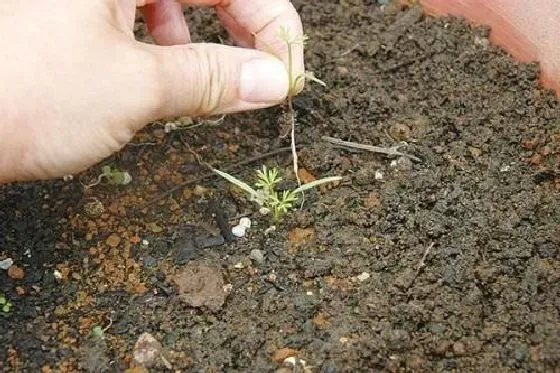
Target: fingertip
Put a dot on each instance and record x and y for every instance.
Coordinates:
(166, 22)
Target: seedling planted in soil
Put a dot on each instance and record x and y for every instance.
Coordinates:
(266, 193)
(5, 304)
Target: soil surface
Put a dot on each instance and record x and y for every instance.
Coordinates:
(451, 263)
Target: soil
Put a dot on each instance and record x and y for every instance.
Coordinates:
(447, 264)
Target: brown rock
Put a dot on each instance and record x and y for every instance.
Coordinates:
(306, 176)
(321, 320)
(15, 272)
(459, 349)
(113, 240)
(442, 347)
(299, 235)
(201, 286)
(372, 200)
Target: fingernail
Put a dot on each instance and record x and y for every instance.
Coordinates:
(263, 80)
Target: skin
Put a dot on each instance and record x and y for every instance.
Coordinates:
(76, 86)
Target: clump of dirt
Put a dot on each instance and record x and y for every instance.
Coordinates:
(450, 263)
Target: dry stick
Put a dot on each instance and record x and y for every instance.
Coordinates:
(391, 151)
(212, 174)
(421, 264)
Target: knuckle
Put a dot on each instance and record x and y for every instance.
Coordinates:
(209, 80)
(193, 82)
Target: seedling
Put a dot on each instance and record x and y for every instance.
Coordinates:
(112, 176)
(286, 36)
(266, 194)
(5, 304)
(98, 332)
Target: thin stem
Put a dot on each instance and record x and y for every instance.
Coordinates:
(291, 112)
(293, 140)
(290, 71)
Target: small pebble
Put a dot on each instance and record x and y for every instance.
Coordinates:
(15, 272)
(404, 164)
(239, 266)
(149, 261)
(6, 263)
(146, 350)
(57, 274)
(270, 230)
(245, 222)
(238, 231)
(257, 256)
(378, 175)
(363, 276)
(459, 349)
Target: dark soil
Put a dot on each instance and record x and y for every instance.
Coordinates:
(462, 249)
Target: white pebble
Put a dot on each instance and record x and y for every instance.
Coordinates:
(57, 274)
(239, 266)
(292, 360)
(238, 231)
(363, 276)
(145, 242)
(245, 222)
(6, 263)
(264, 211)
(169, 126)
(378, 175)
(270, 229)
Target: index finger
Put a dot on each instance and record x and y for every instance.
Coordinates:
(256, 24)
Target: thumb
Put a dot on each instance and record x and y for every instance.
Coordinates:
(209, 79)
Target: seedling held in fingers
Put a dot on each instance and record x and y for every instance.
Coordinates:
(286, 36)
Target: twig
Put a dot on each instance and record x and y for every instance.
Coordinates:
(422, 262)
(108, 326)
(210, 175)
(390, 151)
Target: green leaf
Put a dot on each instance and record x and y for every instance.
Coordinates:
(97, 331)
(246, 187)
(315, 183)
(119, 178)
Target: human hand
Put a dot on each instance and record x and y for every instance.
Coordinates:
(76, 85)
(526, 29)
